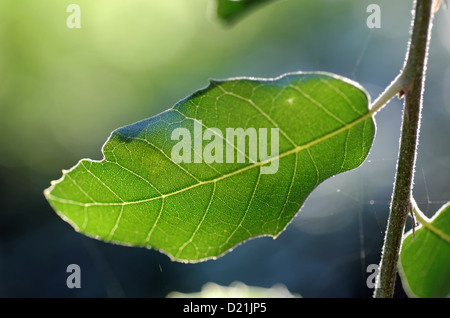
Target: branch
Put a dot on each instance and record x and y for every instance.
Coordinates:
(412, 78)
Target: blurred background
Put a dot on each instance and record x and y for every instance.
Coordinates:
(62, 91)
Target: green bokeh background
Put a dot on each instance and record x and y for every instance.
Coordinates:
(62, 91)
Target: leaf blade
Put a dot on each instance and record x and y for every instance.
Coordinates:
(424, 262)
(231, 10)
(325, 128)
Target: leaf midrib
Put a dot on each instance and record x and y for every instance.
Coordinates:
(294, 150)
(428, 224)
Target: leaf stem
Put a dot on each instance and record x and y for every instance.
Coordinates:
(393, 89)
(412, 77)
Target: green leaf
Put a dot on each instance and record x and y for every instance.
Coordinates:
(138, 195)
(424, 263)
(237, 290)
(231, 10)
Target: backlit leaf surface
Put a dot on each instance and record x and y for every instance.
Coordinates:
(425, 261)
(137, 195)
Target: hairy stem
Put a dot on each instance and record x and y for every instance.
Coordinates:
(412, 77)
